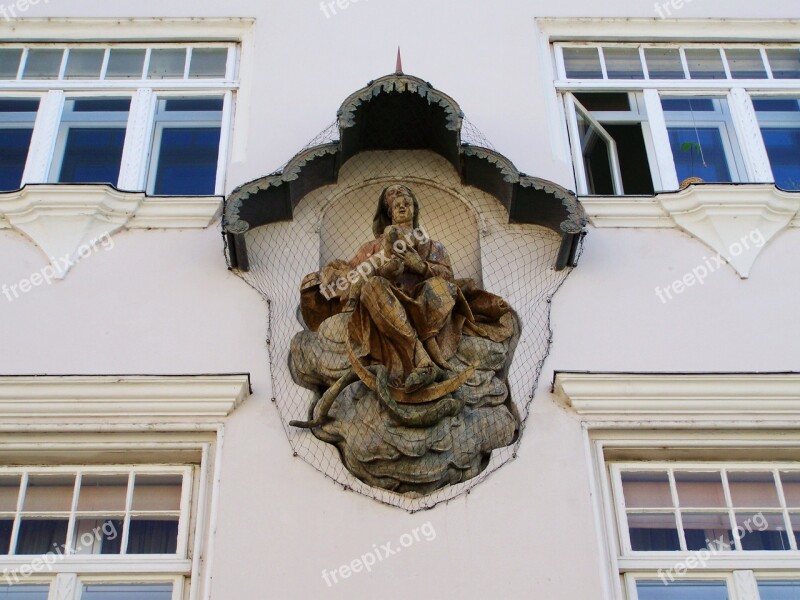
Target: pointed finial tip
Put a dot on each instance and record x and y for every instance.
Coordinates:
(398, 69)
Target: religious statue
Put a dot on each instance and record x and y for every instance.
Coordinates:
(410, 362)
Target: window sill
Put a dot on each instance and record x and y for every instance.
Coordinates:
(64, 219)
(719, 215)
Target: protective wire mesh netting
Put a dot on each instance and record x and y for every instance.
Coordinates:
(409, 456)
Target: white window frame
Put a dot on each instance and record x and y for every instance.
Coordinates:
(43, 155)
(655, 418)
(158, 127)
(84, 121)
(154, 424)
(753, 164)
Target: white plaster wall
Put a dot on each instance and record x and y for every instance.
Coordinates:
(163, 302)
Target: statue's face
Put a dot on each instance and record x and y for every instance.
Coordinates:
(402, 205)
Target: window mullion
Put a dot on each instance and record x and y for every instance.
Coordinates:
(68, 546)
(745, 585)
(133, 167)
(64, 587)
(663, 150)
(748, 132)
(23, 489)
(43, 140)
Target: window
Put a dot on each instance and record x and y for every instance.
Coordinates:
(779, 119)
(696, 480)
(644, 118)
(696, 518)
(90, 141)
(177, 100)
(702, 138)
(68, 514)
(17, 116)
(186, 146)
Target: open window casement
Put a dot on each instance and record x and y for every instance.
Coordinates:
(594, 152)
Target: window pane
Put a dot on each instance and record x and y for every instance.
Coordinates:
(664, 63)
(9, 489)
(167, 63)
(682, 590)
(13, 105)
(762, 531)
(705, 64)
(187, 161)
(745, 64)
(700, 490)
(6, 525)
(753, 489)
(653, 531)
(770, 105)
(157, 492)
(14, 146)
(24, 592)
(97, 536)
(92, 155)
(582, 63)
(779, 590)
(646, 489)
(699, 152)
(194, 105)
(43, 64)
(791, 486)
(623, 63)
(84, 64)
(49, 493)
(127, 592)
(9, 62)
(125, 63)
(103, 493)
(783, 148)
(794, 519)
(785, 63)
(102, 105)
(208, 63)
(604, 101)
(707, 530)
(153, 536)
(687, 104)
(40, 536)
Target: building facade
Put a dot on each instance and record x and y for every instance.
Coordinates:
(145, 445)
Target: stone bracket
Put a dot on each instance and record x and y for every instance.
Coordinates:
(66, 221)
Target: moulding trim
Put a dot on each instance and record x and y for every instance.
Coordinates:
(742, 397)
(148, 398)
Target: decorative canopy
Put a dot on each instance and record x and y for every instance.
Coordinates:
(402, 112)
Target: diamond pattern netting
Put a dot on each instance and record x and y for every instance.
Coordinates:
(513, 261)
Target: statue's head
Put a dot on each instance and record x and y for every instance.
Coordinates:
(397, 206)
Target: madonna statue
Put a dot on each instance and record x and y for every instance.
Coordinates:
(394, 340)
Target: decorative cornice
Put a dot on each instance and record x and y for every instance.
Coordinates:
(633, 397)
(63, 220)
(145, 398)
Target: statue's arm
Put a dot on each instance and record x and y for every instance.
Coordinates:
(437, 263)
